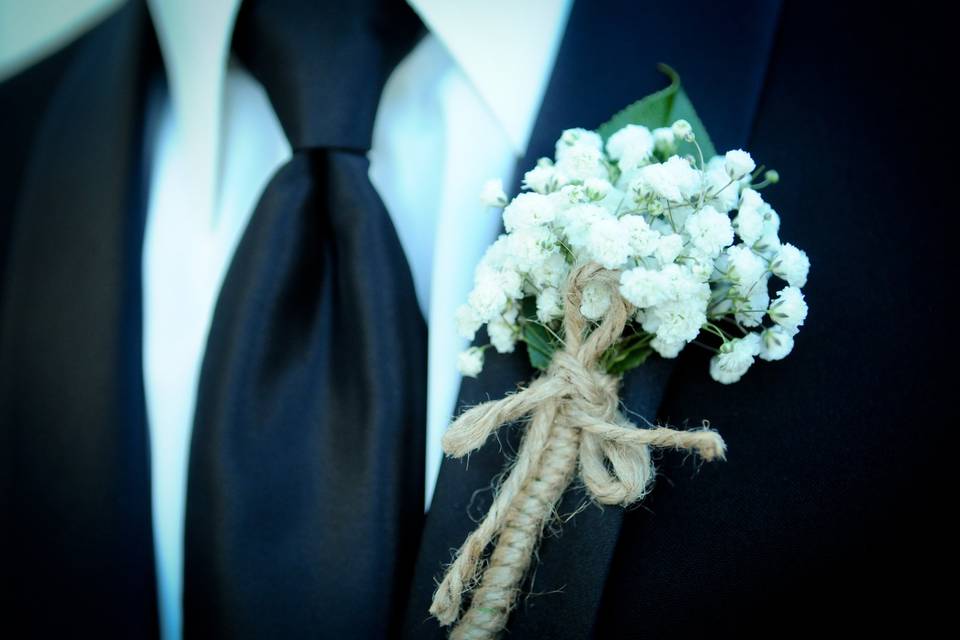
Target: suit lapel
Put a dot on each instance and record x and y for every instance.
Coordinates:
(70, 369)
(606, 61)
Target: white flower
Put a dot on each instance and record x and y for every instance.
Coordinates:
(643, 287)
(528, 210)
(677, 320)
(580, 155)
(677, 217)
(684, 283)
(667, 349)
(668, 248)
(682, 129)
(570, 194)
(597, 188)
(582, 163)
(595, 301)
(492, 194)
(642, 239)
(497, 254)
(543, 178)
(750, 312)
(646, 287)
(664, 141)
(792, 265)
(631, 146)
(746, 267)
(493, 287)
(551, 272)
(699, 265)
(607, 243)
(529, 247)
(468, 321)
(614, 201)
(512, 283)
(710, 231)
(578, 220)
(577, 137)
(749, 220)
(679, 303)
(735, 358)
(723, 192)
(470, 362)
(503, 335)
(549, 305)
(664, 225)
(738, 163)
(770, 240)
(487, 298)
(675, 180)
(777, 343)
(789, 309)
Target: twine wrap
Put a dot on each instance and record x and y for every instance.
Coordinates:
(574, 418)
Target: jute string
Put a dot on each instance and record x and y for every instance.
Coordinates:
(574, 418)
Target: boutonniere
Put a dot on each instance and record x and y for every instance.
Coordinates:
(636, 239)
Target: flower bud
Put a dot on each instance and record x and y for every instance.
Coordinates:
(683, 130)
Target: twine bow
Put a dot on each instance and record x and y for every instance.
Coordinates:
(574, 421)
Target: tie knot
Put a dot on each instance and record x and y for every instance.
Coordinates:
(324, 64)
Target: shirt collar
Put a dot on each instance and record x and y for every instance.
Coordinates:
(505, 48)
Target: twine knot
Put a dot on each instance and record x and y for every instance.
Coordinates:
(575, 423)
(595, 390)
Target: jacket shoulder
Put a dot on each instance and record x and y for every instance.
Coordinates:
(24, 99)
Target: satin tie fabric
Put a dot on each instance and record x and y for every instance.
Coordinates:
(305, 485)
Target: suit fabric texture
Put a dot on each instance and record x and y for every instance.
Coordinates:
(827, 511)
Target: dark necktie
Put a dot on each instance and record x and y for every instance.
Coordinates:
(305, 489)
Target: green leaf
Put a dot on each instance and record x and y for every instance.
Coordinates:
(541, 344)
(628, 352)
(631, 361)
(661, 109)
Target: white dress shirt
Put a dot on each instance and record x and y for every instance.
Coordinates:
(457, 111)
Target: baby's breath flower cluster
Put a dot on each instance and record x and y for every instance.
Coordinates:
(697, 247)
